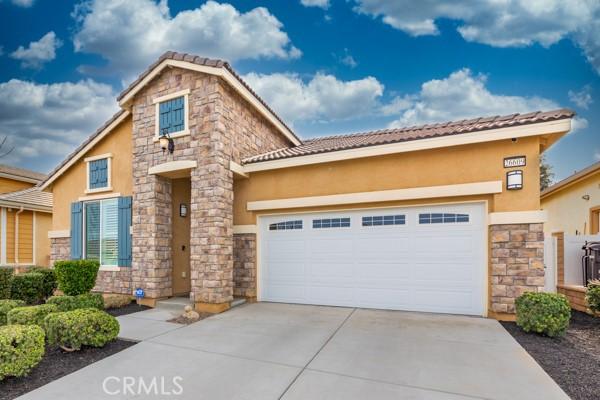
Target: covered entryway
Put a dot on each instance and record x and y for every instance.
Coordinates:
(419, 258)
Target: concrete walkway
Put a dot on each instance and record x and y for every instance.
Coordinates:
(277, 351)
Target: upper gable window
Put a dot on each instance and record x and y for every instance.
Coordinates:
(172, 114)
(98, 173)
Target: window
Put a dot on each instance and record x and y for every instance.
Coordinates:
(172, 114)
(442, 218)
(286, 225)
(101, 229)
(383, 220)
(98, 173)
(331, 223)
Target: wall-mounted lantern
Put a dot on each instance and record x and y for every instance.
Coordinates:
(514, 180)
(183, 210)
(166, 142)
(586, 197)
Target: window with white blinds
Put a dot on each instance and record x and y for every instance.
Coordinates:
(102, 231)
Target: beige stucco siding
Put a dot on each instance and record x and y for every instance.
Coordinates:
(43, 223)
(70, 186)
(446, 166)
(8, 185)
(568, 212)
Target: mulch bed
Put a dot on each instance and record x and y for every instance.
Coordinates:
(131, 308)
(185, 321)
(58, 363)
(573, 361)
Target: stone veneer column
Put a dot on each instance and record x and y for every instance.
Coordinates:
(60, 249)
(517, 263)
(244, 265)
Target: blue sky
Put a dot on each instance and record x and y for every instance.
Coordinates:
(326, 66)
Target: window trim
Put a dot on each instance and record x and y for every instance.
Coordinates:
(108, 187)
(383, 225)
(186, 113)
(293, 222)
(103, 267)
(321, 219)
(456, 214)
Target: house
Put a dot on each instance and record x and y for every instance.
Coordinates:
(197, 188)
(573, 204)
(25, 218)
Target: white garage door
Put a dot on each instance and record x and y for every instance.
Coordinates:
(421, 259)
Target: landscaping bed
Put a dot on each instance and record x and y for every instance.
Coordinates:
(131, 308)
(573, 360)
(58, 363)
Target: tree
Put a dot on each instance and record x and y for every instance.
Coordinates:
(4, 152)
(546, 174)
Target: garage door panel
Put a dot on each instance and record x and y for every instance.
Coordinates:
(331, 270)
(287, 293)
(448, 272)
(286, 270)
(444, 243)
(382, 271)
(286, 249)
(397, 298)
(331, 295)
(449, 300)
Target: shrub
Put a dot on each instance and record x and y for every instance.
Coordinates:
(116, 300)
(31, 315)
(21, 349)
(76, 276)
(6, 306)
(49, 281)
(6, 274)
(72, 329)
(593, 296)
(545, 313)
(70, 303)
(28, 287)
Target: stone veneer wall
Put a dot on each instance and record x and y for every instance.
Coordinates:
(517, 263)
(60, 249)
(244, 265)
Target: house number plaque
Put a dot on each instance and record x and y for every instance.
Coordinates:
(511, 162)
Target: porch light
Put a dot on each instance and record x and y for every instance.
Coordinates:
(166, 142)
(514, 180)
(182, 210)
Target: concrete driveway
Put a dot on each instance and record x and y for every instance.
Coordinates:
(277, 351)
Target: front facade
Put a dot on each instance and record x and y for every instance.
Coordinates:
(197, 188)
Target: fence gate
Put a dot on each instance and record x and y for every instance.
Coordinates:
(550, 263)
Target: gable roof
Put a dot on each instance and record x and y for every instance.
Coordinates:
(20, 174)
(576, 177)
(397, 135)
(31, 199)
(209, 66)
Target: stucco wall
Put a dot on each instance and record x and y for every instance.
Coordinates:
(568, 212)
(446, 166)
(70, 186)
(9, 185)
(43, 223)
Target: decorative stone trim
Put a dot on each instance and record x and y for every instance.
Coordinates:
(60, 249)
(244, 265)
(517, 263)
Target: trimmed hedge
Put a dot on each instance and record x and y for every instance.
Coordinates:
(31, 315)
(28, 287)
(85, 327)
(21, 349)
(6, 274)
(593, 296)
(70, 303)
(116, 300)
(6, 305)
(544, 313)
(76, 276)
(49, 281)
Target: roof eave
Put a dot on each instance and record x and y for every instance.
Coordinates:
(25, 205)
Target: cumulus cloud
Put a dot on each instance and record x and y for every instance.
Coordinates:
(321, 98)
(44, 122)
(506, 23)
(131, 34)
(38, 53)
(582, 98)
(347, 59)
(324, 4)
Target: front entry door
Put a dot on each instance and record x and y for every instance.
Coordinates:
(180, 243)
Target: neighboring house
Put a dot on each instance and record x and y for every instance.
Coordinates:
(573, 204)
(25, 218)
(442, 218)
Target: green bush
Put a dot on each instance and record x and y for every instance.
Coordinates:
(76, 276)
(72, 329)
(593, 296)
(545, 313)
(70, 303)
(49, 281)
(21, 349)
(7, 305)
(28, 287)
(6, 274)
(31, 315)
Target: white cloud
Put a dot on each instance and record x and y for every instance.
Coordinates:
(324, 4)
(131, 34)
(582, 98)
(322, 98)
(348, 60)
(461, 95)
(597, 155)
(501, 23)
(38, 53)
(23, 3)
(44, 122)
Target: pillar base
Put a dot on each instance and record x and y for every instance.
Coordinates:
(212, 308)
(149, 302)
(500, 316)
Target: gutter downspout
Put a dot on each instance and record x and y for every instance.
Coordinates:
(17, 235)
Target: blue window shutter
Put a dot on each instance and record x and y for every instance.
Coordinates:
(98, 173)
(177, 122)
(76, 230)
(125, 231)
(164, 121)
(172, 115)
